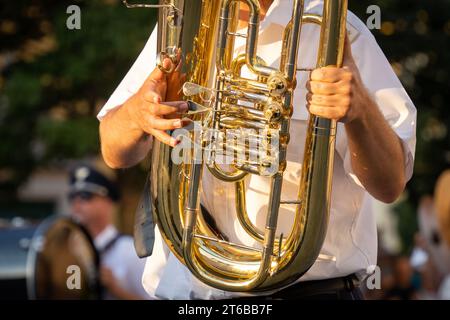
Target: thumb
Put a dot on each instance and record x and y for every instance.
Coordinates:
(157, 74)
(348, 56)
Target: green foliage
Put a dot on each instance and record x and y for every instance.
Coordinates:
(57, 79)
(407, 225)
(65, 139)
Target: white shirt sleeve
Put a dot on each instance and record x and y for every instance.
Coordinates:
(135, 77)
(390, 96)
(133, 267)
(444, 289)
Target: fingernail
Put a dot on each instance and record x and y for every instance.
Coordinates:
(184, 107)
(177, 123)
(157, 99)
(174, 142)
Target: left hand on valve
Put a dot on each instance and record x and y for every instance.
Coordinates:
(337, 93)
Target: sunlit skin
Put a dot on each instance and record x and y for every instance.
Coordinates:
(377, 156)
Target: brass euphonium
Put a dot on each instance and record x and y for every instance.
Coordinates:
(222, 99)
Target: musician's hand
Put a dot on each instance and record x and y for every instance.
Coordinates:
(150, 113)
(337, 93)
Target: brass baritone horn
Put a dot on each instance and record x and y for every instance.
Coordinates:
(260, 108)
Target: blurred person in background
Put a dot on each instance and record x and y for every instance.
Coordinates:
(426, 275)
(442, 209)
(404, 287)
(432, 241)
(431, 255)
(442, 204)
(93, 198)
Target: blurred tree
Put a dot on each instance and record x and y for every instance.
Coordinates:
(53, 81)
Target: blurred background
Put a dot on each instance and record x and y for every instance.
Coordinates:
(53, 81)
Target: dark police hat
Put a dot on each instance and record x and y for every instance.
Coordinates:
(86, 179)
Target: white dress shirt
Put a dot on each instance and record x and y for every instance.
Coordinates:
(351, 241)
(121, 258)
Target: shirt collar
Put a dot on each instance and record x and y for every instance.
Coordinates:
(104, 237)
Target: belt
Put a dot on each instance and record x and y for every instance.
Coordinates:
(318, 287)
(335, 288)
